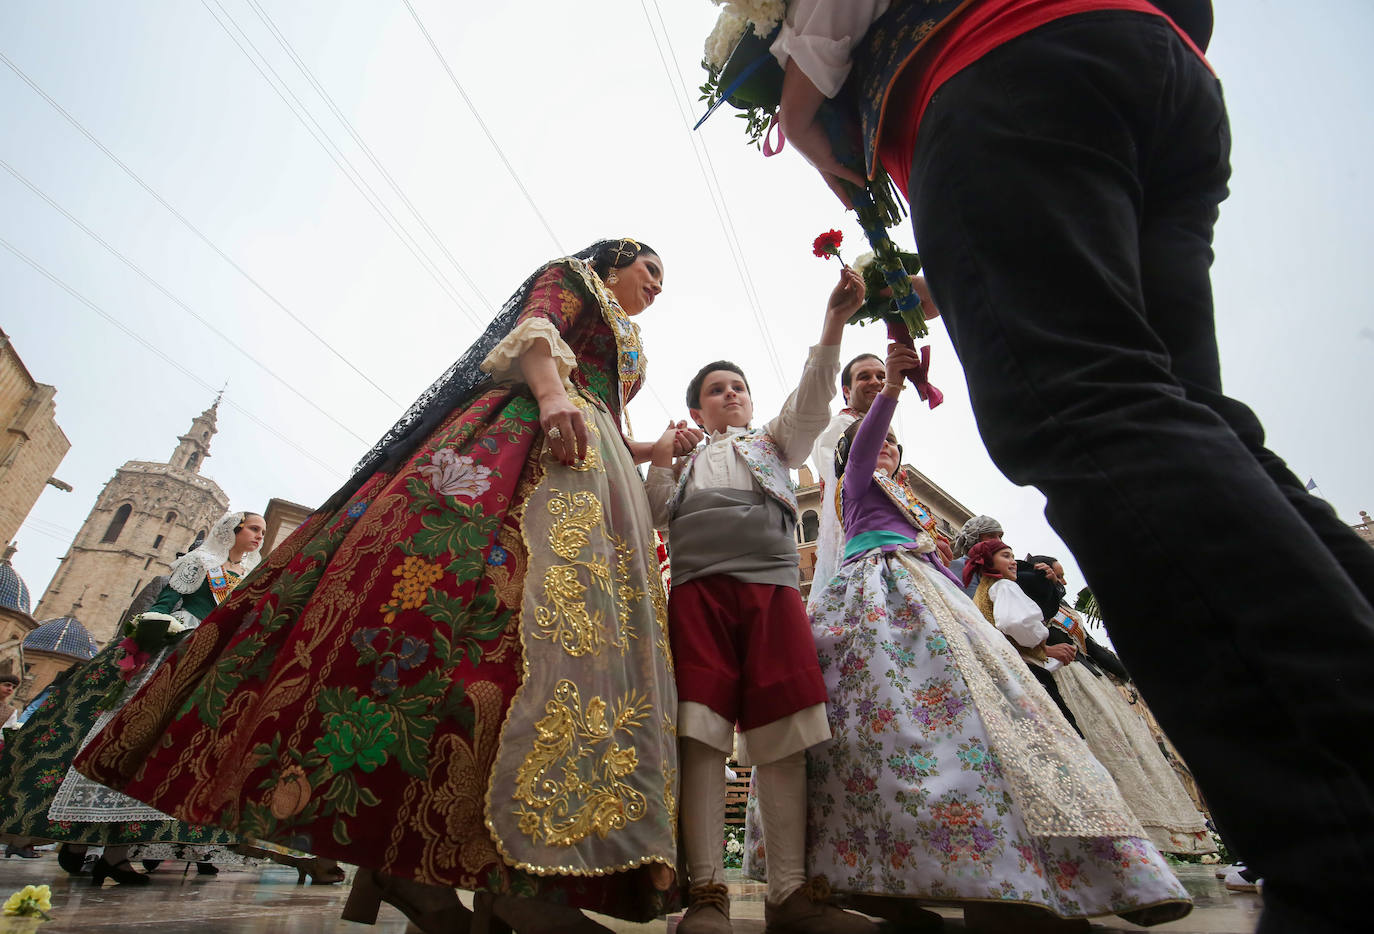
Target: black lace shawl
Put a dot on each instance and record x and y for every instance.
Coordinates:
(464, 379)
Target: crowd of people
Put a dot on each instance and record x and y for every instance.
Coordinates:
(464, 671)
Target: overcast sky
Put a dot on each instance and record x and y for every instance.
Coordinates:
(587, 103)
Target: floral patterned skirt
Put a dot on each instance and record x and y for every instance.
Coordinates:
(944, 756)
(359, 696)
(1121, 741)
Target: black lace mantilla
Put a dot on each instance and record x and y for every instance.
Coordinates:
(464, 379)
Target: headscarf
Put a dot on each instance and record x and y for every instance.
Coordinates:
(188, 571)
(980, 558)
(969, 534)
(464, 377)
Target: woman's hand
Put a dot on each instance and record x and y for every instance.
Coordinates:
(565, 428)
(686, 437)
(677, 440)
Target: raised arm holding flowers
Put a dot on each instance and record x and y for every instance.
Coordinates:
(749, 78)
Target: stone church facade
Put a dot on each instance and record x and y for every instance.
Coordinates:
(145, 515)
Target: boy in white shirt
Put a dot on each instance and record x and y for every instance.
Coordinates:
(742, 645)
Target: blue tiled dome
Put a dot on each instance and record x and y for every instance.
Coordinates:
(14, 593)
(63, 636)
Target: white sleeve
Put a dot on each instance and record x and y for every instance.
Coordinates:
(820, 35)
(1016, 614)
(823, 451)
(659, 486)
(503, 362)
(806, 413)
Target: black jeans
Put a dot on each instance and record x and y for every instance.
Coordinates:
(1063, 190)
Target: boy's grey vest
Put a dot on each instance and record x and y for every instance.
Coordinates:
(760, 452)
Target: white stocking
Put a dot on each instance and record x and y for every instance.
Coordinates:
(703, 811)
(782, 804)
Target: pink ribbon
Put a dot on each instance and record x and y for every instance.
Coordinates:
(768, 149)
(919, 375)
(920, 378)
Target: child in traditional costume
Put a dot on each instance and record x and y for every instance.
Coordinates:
(741, 643)
(951, 776)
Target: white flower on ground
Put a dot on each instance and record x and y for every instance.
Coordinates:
(452, 474)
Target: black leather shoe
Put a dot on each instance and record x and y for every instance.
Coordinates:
(71, 861)
(124, 874)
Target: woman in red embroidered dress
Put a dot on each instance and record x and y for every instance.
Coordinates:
(456, 673)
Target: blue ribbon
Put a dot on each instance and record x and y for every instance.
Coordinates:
(744, 75)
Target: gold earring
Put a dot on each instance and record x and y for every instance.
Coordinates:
(612, 279)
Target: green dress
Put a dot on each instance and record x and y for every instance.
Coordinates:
(36, 763)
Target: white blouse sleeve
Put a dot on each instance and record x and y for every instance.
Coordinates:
(503, 363)
(820, 35)
(1016, 614)
(660, 485)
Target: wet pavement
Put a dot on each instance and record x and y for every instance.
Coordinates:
(268, 901)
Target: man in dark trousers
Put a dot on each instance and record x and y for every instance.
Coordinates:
(1064, 161)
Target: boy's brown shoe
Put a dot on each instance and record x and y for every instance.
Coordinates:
(808, 911)
(710, 910)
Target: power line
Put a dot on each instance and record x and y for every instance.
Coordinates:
(708, 173)
(46, 527)
(55, 280)
(335, 154)
(134, 176)
(483, 124)
(176, 301)
(304, 69)
(29, 524)
(491, 138)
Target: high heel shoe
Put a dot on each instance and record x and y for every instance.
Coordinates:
(70, 860)
(321, 872)
(124, 874)
(432, 908)
(507, 914)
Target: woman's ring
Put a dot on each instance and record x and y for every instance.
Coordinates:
(555, 433)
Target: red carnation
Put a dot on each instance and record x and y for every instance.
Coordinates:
(828, 245)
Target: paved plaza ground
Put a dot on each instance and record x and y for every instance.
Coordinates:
(267, 901)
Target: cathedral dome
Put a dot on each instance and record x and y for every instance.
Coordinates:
(62, 636)
(14, 593)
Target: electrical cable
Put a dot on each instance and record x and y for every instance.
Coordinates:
(56, 280)
(483, 124)
(134, 176)
(336, 155)
(722, 208)
(176, 301)
(362, 144)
